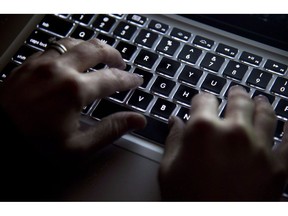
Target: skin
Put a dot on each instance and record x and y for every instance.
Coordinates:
(232, 159)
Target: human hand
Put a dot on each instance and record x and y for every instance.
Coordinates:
(224, 159)
(44, 97)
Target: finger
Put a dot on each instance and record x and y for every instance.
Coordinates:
(264, 120)
(173, 139)
(204, 105)
(67, 42)
(106, 132)
(90, 53)
(240, 107)
(105, 82)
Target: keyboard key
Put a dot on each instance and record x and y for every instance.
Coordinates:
(120, 96)
(85, 109)
(105, 108)
(125, 30)
(126, 50)
(136, 18)
(104, 22)
(212, 62)
(39, 39)
(146, 38)
(180, 34)
(251, 58)
(145, 75)
(184, 114)
(168, 46)
(226, 50)
(56, 25)
(274, 66)
(155, 130)
(203, 42)
(213, 83)
(184, 94)
(189, 54)
(5, 72)
(162, 86)
(146, 58)
(163, 108)
(282, 108)
(23, 53)
(271, 98)
(233, 84)
(83, 33)
(140, 99)
(168, 66)
(83, 18)
(106, 39)
(259, 78)
(280, 87)
(158, 26)
(190, 75)
(235, 70)
(279, 130)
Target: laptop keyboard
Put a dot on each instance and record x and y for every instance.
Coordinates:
(175, 65)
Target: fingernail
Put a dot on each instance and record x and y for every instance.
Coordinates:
(237, 87)
(171, 122)
(138, 77)
(261, 98)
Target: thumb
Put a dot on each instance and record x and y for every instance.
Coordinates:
(174, 137)
(106, 131)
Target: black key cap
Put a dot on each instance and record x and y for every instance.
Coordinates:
(274, 66)
(212, 62)
(190, 75)
(213, 83)
(184, 114)
(104, 22)
(136, 18)
(280, 86)
(126, 50)
(279, 130)
(184, 94)
(83, 18)
(282, 108)
(146, 58)
(106, 39)
(145, 75)
(271, 98)
(168, 66)
(23, 53)
(146, 38)
(203, 42)
(180, 34)
(155, 130)
(158, 26)
(5, 72)
(251, 58)
(235, 70)
(163, 108)
(168, 46)
(233, 84)
(162, 86)
(125, 30)
(140, 99)
(259, 78)
(105, 108)
(83, 33)
(39, 39)
(56, 25)
(120, 96)
(85, 109)
(226, 50)
(189, 54)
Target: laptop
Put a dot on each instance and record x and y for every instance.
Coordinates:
(178, 56)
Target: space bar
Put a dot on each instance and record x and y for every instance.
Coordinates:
(155, 130)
